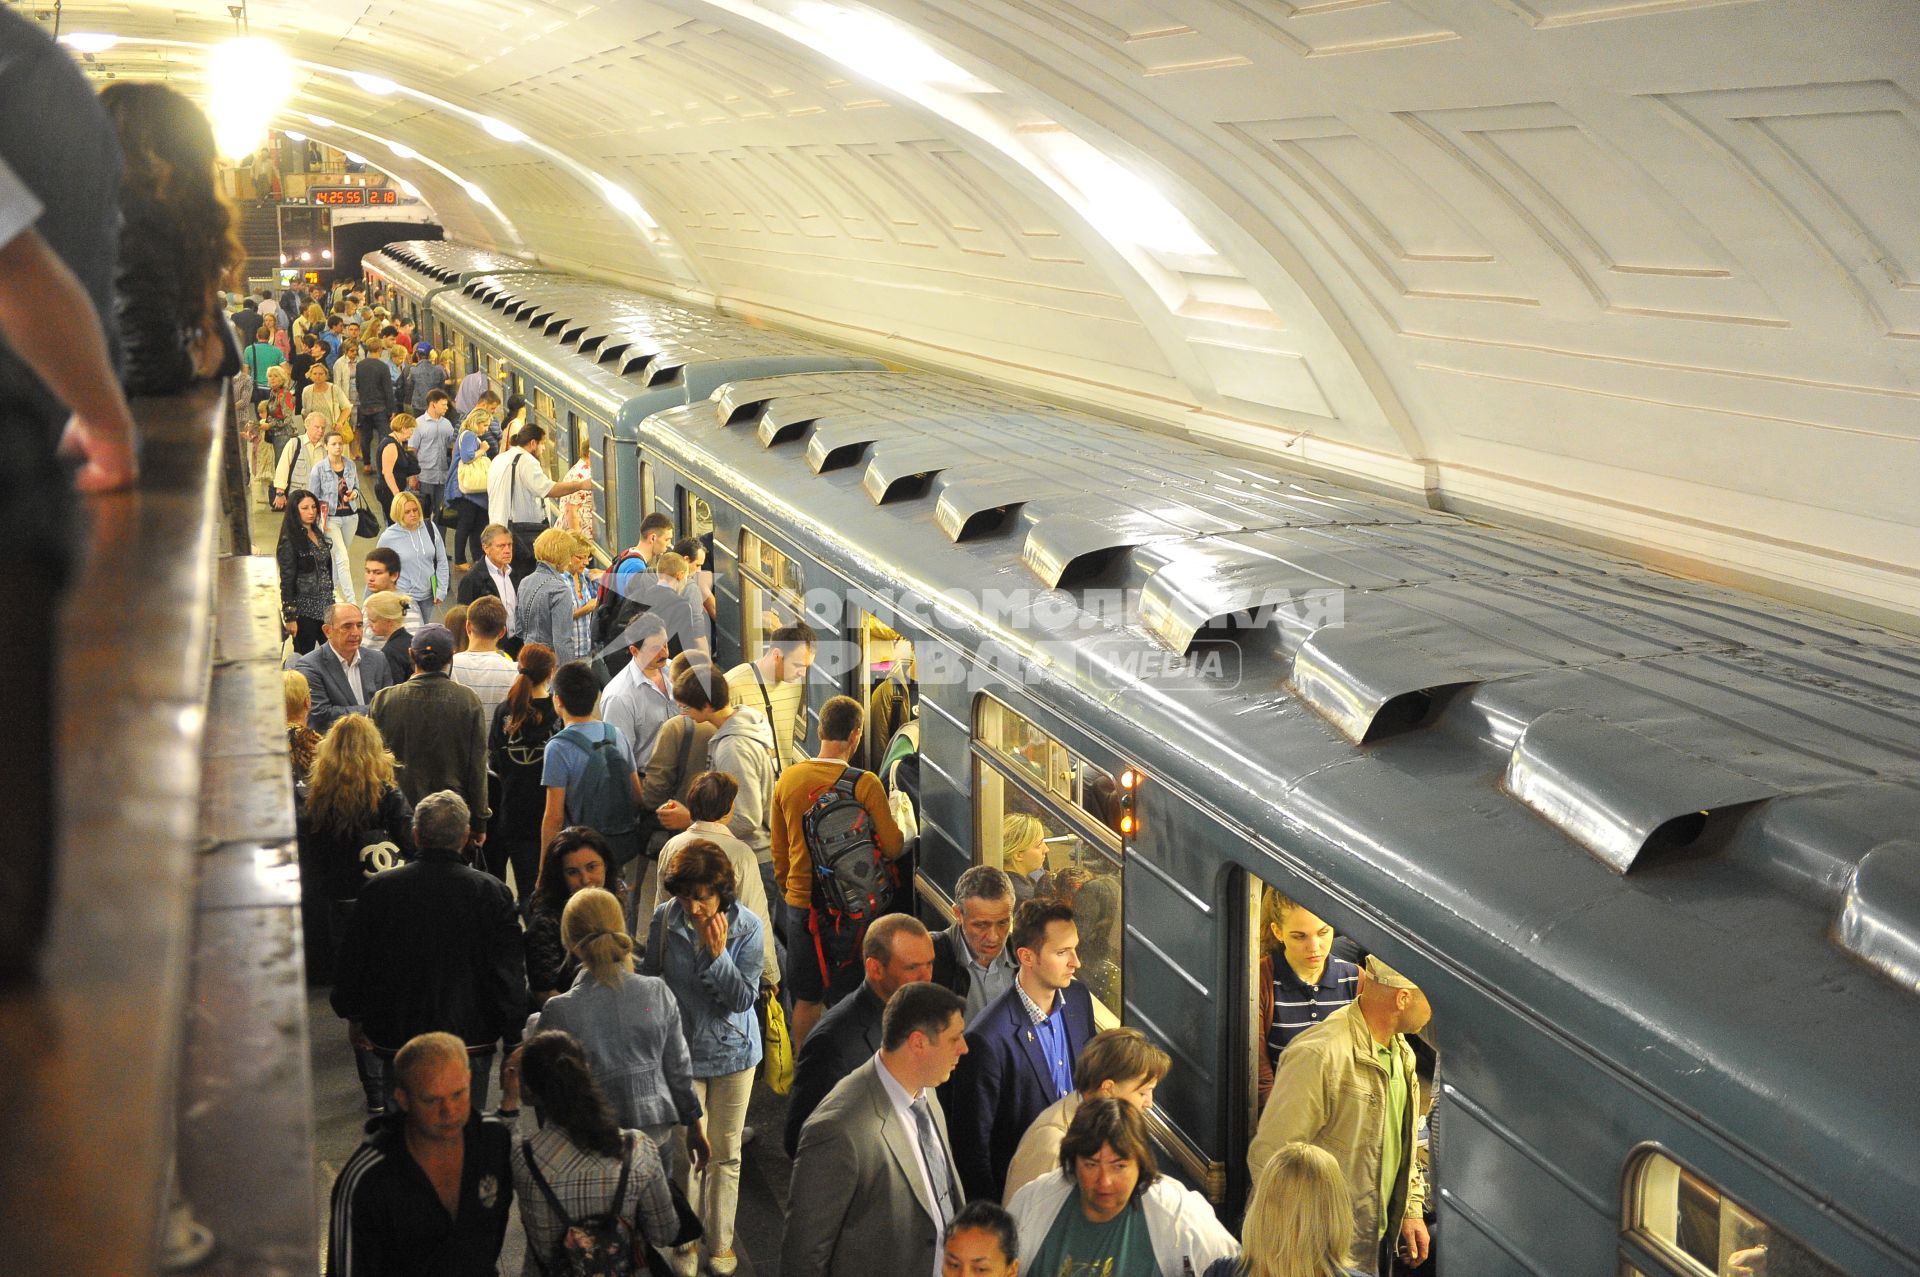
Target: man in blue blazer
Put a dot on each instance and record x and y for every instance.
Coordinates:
(340, 677)
(1021, 1049)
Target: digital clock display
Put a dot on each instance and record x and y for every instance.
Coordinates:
(354, 196)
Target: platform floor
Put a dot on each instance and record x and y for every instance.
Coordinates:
(339, 1122)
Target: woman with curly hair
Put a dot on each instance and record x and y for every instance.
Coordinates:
(353, 823)
(178, 246)
(576, 859)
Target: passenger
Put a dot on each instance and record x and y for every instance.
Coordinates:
(517, 739)
(1109, 1210)
(491, 575)
(246, 320)
(588, 770)
(325, 398)
(435, 728)
(742, 747)
(1304, 986)
(707, 947)
(333, 335)
(855, 1207)
(897, 952)
(279, 412)
(308, 353)
(345, 369)
(274, 333)
(261, 355)
(576, 511)
(372, 392)
(776, 681)
(638, 699)
(971, 956)
(656, 532)
(981, 1241)
(1299, 1222)
(335, 479)
(642, 592)
(306, 574)
(456, 622)
(544, 597)
(430, 1187)
(353, 823)
(1096, 911)
(433, 945)
(343, 678)
(423, 557)
(298, 457)
(433, 439)
(575, 860)
(630, 1026)
(483, 667)
(468, 396)
(1023, 854)
(177, 242)
(678, 755)
(583, 594)
(387, 633)
(580, 1163)
(699, 588)
(517, 490)
(1347, 1085)
(997, 1093)
(709, 800)
(301, 739)
(395, 471)
(309, 321)
(382, 570)
(1118, 1064)
(823, 950)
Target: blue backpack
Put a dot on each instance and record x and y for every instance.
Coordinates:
(602, 797)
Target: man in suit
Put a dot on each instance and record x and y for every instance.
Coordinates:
(1021, 1049)
(874, 1182)
(972, 956)
(493, 575)
(436, 729)
(342, 679)
(897, 952)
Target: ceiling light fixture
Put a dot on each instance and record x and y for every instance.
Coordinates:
(291, 136)
(378, 85)
(501, 129)
(353, 158)
(89, 41)
(248, 80)
(404, 152)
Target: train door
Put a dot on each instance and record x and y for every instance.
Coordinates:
(1049, 816)
(882, 680)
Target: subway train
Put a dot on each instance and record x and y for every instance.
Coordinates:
(1646, 843)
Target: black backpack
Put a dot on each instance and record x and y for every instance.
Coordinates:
(852, 881)
(599, 1245)
(613, 611)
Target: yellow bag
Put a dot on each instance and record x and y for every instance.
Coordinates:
(777, 1063)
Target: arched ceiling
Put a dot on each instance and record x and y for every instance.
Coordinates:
(1647, 271)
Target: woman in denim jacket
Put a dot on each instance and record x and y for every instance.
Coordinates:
(630, 1026)
(708, 948)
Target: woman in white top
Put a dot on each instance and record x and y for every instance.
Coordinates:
(343, 370)
(326, 398)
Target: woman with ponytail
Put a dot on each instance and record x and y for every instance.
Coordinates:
(516, 748)
(629, 1026)
(580, 1156)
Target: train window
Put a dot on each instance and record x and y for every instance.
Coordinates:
(696, 516)
(1698, 1231)
(1039, 814)
(770, 593)
(885, 682)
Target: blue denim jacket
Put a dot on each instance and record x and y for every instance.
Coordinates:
(633, 1040)
(716, 995)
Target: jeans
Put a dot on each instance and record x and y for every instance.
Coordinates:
(340, 529)
(715, 1194)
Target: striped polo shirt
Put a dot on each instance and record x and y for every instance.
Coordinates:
(1298, 1006)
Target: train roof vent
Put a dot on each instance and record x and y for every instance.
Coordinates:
(1618, 790)
(737, 399)
(1368, 683)
(898, 469)
(779, 422)
(664, 367)
(613, 348)
(571, 331)
(838, 441)
(1061, 547)
(554, 324)
(1879, 919)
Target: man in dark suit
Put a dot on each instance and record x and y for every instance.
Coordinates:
(492, 575)
(897, 952)
(341, 679)
(1021, 1049)
(874, 1183)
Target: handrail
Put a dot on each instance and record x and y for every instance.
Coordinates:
(90, 1054)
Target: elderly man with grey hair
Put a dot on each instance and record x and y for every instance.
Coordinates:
(971, 956)
(433, 946)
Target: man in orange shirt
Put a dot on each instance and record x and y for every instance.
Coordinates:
(822, 959)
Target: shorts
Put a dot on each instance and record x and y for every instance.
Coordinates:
(805, 980)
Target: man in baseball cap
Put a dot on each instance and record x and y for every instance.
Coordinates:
(436, 729)
(1348, 1086)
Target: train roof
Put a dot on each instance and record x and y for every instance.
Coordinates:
(626, 352)
(1673, 820)
(427, 265)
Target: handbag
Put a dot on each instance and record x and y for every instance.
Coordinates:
(366, 525)
(523, 533)
(776, 1061)
(473, 473)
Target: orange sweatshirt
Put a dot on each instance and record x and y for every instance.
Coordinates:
(796, 790)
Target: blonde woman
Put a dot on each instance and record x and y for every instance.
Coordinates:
(547, 601)
(1023, 853)
(423, 556)
(354, 823)
(302, 741)
(470, 508)
(327, 399)
(583, 589)
(394, 462)
(1300, 1221)
(311, 320)
(630, 1026)
(343, 370)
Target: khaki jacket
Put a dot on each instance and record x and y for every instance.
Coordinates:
(1330, 1090)
(1039, 1152)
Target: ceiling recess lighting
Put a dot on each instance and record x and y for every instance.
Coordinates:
(624, 201)
(248, 81)
(404, 152)
(883, 50)
(322, 122)
(1123, 206)
(378, 85)
(89, 41)
(354, 159)
(412, 191)
(501, 129)
(295, 137)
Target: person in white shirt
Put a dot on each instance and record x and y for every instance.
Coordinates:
(638, 700)
(517, 490)
(776, 684)
(483, 667)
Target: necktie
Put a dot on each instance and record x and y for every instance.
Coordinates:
(935, 1154)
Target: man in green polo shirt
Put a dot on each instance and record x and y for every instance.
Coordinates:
(1347, 1085)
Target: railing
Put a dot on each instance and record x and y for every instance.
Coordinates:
(161, 1029)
